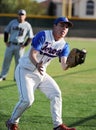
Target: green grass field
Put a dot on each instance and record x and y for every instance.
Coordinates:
(78, 86)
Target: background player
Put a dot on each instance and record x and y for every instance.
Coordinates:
(17, 35)
(31, 73)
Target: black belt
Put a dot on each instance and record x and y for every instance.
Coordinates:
(15, 43)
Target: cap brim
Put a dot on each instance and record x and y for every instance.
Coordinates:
(70, 24)
(21, 14)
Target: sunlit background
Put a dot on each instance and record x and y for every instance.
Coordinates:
(40, 0)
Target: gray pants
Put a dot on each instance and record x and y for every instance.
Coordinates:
(13, 50)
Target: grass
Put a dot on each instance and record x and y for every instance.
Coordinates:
(78, 86)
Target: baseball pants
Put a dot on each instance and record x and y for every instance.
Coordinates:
(12, 50)
(28, 82)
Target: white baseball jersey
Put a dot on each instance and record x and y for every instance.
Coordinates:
(29, 79)
(19, 31)
(48, 49)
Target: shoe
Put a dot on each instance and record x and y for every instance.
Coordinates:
(2, 78)
(63, 127)
(11, 126)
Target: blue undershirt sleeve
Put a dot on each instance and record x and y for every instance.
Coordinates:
(65, 51)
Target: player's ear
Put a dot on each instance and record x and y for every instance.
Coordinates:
(54, 25)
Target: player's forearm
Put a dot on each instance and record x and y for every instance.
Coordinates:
(33, 57)
(63, 63)
(37, 64)
(6, 37)
(64, 66)
(27, 42)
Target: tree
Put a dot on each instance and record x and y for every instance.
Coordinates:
(32, 7)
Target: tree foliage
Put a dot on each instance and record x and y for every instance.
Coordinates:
(12, 6)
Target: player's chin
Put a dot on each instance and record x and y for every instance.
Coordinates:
(63, 34)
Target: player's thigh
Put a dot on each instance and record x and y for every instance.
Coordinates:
(19, 51)
(49, 87)
(17, 54)
(8, 53)
(26, 83)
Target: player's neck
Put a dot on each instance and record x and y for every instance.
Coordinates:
(56, 37)
(21, 21)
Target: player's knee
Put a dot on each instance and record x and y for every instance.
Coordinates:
(28, 103)
(56, 96)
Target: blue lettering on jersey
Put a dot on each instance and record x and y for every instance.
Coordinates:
(44, 47)
(49, 51)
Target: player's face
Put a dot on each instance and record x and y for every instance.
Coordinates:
(61, 29)
(21, 17)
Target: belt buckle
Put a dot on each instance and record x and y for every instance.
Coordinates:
(15, 43)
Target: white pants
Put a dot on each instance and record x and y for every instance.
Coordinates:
(27, 83)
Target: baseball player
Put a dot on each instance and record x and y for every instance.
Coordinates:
(31, 73)
(17, 35)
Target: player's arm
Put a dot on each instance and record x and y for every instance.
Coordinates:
(6, 36)
(30, 36)
(63, 63)
(28, 40)
(37, 43)
(63, 56)
(33, 57)
(6, 33)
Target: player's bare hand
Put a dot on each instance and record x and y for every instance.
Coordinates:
(40, 67)
(7, 44)
(22, 46)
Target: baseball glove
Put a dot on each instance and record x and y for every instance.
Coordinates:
(76, 57)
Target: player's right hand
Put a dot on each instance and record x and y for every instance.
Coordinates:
(39, 66)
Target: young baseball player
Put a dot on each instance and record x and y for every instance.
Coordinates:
(17, 35)
(31, 73)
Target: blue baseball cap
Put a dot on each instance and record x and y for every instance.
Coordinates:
(64, 20)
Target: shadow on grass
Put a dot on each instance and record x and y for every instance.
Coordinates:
(7, 86)
(75, 72)
(3, 119)
(89, 121)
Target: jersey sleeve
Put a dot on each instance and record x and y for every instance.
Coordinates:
(8, 27)
(65, 51)
(30, 31)
(38, 40)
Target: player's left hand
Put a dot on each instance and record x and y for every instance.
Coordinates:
(76, 57)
